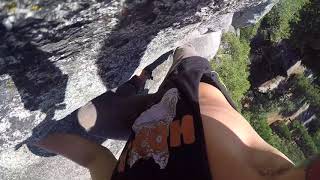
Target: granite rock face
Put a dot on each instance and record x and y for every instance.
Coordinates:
(250, 16)
(55, 56)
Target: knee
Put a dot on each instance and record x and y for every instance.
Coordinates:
(87, 116)
(184, 51)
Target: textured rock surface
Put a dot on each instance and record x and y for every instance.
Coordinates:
(208, 45)
(55, 56)
(49, 168)
(271, 84)
(252, 15)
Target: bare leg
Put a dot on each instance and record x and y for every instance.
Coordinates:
(111, 115)
(98, 159)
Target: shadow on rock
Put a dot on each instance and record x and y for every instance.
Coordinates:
(41, 85)
(39, 80)
(68, 125)
(122, 50)
(139, 23)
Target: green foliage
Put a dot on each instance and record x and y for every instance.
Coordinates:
(258, 121)
(306, 30)
(288, 107)
(303, 139)
(310, 91)
(289, 148)
(231, 64)
(314, 126)
(316, 139)
(278, 21)
(299, 22)
(283, 131)
(247, 33)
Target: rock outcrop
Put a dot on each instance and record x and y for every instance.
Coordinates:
(55, 56)
(250, 16)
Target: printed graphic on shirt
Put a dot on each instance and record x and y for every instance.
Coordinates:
(152, 129)
(152, 133)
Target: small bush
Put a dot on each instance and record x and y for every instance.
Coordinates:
(248, 33)
(310, 91)
(231, 63)
(288, 107)
(303, 139)
(282, 130)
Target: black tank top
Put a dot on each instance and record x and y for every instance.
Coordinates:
(167, 140)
